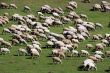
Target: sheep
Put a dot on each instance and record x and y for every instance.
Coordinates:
(49, 43)
(14, 41)
(75, 46)
(58, 10)
(27, 9)
(55, 52)
(99, 52)
(100, 46)
(37, 47)
(95, 37)
(69, 7)
(7, 44)
(6, 14)
(22, 51)
(58, 53)
(73, 4)
(46, 9)
(57, 60)
(3, 5)
(34, 53)
(107, 53)
(74, 52)
(13, 6)
(78, 21)
(89, 46)
(80, 37)
(97, 7)
(98, 57)
(98, 25)
(105, 42)
(89, 65)
(6, 30)
(40, 14)
(84, 16)
(36, 42)
(64, 19)
(4, 50)
(84, 53)
(93, 58)
(56, 14)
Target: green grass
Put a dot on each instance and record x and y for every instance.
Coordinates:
(10, 63)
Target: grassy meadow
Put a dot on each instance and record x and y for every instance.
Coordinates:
(11, 63)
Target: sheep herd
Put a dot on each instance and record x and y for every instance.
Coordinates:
(28, 29)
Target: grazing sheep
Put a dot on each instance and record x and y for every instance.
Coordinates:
(89, 65)
(6, 30)
(27, 9)
(99, 52)
(100, 46)
(75, 46)
(22, 51)
(13, 6)
(89, 46)
(4, 50)
(34, 53)
(14, 41)
(37, 47)
(95, 37)
(98, 25)
(57, 60)
(73, 4)
(84, 53)
(93, 58)
(3, 5)
(97, 7)
(107, 53)
(83, 16)
(99, 57)
(74, 52)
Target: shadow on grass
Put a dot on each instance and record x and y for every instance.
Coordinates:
(108, 71)
(50, 64)
(80, 68)
(49, 56)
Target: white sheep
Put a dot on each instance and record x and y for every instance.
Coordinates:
(57, 60)
(4, 50)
